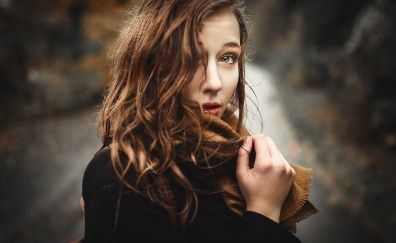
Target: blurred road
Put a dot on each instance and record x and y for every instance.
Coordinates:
(334, 223)
(42, 162)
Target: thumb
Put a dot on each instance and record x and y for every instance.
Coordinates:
(242, 166)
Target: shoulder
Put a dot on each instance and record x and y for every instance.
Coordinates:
(99, 174)
(112, 210)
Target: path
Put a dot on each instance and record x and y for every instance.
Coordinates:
(334, 223)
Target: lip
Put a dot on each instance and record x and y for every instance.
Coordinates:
(212, 107)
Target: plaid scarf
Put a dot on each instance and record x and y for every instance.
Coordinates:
(221, 135)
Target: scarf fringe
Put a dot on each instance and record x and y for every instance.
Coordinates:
(296, 206)
(301, 182)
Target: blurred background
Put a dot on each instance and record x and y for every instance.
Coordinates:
(330, 104)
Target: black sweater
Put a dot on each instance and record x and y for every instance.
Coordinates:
(139, 220)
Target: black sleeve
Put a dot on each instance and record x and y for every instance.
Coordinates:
(113, 214)
(259, 228)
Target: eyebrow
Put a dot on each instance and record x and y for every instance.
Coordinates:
(232, 44)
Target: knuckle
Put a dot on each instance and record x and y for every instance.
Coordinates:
(268, 166)
(265, 164)
(282, 169)
(291, 172)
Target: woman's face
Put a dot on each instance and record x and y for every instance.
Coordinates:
(220, 39)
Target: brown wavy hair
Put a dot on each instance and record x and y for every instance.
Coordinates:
(146, 112)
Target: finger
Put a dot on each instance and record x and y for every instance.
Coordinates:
(261, 147)
(274, 150)
(288, 167)
(277, 159)
(243, 156)
(289, 170)
(281, 155)
(292, 170)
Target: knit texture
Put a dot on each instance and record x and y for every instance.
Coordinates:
(222, 134)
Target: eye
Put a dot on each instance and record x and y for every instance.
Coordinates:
(228, 59)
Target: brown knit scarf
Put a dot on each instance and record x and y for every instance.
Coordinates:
(222, 136)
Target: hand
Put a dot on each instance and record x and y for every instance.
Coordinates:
(267, 184)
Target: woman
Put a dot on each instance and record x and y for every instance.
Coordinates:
(174, 166)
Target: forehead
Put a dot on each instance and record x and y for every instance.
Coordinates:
(222, 28)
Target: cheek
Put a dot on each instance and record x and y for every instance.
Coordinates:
(230, 83)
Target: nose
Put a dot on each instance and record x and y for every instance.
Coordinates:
(213, 82)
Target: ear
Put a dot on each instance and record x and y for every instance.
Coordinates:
(82, 203)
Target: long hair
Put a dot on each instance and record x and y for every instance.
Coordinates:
(145, 111)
